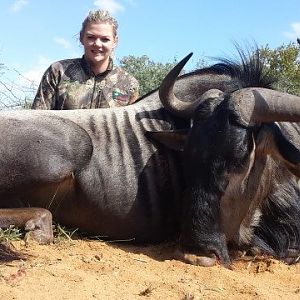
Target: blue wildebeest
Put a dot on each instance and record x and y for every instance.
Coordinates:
(105, 172)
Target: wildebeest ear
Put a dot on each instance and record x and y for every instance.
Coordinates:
(289, 152)
(281, 148)
(172, 139)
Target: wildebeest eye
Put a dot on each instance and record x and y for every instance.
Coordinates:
(206, 108)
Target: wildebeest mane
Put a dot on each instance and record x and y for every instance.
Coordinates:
(249, 70)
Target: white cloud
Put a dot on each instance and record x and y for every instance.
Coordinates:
(295, 31)
(111, 5)
(18, 5)
(62, 42)
(35, 74)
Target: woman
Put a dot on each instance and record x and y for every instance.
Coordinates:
(91, 81)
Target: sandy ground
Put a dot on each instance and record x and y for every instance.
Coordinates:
(96, 270)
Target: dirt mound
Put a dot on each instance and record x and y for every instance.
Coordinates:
(96, 270)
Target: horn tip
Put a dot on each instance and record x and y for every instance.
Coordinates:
(185, 59)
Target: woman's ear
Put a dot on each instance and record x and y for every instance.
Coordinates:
(116, 41)
(81, 37)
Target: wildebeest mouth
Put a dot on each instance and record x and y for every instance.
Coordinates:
(205, 253)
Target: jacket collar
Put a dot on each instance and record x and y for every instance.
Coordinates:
(87, 68)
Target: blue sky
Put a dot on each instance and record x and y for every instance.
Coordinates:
(35, 33)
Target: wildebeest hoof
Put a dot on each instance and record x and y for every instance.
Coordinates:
(40, 227)
(194, 259)
(37, 221)
(38, 236)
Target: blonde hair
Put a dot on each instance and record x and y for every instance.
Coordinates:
(99, 16)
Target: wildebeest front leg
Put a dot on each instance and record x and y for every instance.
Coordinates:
(36, 221)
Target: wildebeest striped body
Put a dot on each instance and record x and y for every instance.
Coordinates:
(106, 160)
(95, 169)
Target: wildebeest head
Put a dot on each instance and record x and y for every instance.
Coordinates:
(230, 130)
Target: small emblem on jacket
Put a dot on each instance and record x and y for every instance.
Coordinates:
(117, 95)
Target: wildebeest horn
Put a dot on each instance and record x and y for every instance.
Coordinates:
(174, 105)
(264, 105)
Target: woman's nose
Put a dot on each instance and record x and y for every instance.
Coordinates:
(98, 42)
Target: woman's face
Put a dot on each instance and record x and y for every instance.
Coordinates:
(98, 41)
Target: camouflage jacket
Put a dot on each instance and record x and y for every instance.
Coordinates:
(70, 84)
